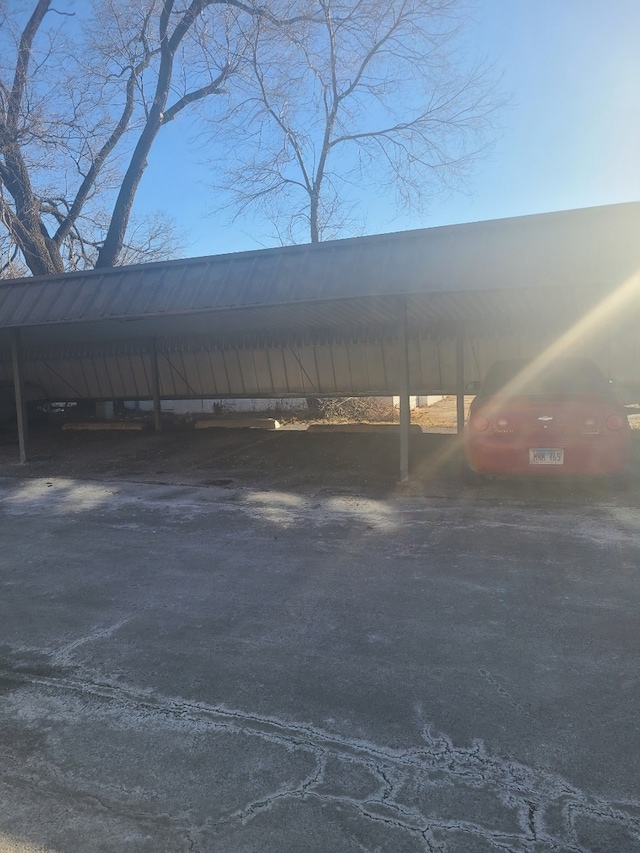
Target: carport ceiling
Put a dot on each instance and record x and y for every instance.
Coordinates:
(540, 269)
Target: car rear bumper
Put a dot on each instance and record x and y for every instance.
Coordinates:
(592, 456)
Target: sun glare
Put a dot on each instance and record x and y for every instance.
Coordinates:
(594, 320)
(612, 305)
(11, 844)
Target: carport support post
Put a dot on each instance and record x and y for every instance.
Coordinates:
(18, 388)
(460, 383)
(405, 409)
(155, 387)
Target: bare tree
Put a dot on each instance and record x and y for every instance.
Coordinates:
(376, 94)
(332, 94)
(82, 99)
(10, 266)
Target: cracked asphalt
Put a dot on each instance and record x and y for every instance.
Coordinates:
(241, 668)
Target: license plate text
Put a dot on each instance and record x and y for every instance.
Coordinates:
(546, 456)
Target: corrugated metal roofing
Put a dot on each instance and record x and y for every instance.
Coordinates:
(458, 270)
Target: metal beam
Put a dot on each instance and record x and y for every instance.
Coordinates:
(155, 387)
(18, 390)
(460, 383)
(405, 409)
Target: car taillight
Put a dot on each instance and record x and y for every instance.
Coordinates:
(479, 422)
(614, 422)
(502, 422)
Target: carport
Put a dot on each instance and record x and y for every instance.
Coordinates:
(417, 312)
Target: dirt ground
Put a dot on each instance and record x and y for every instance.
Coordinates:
(181, 453)
(441, 415)
(212, 457)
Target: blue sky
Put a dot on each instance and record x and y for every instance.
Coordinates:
(571, 137)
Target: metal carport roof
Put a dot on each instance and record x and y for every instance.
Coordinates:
(390, 313)
(454, 277)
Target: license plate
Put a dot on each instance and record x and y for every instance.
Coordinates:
(546, 456)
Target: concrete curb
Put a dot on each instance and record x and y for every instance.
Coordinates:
(375, 428)
(239, 423)
(102, 425)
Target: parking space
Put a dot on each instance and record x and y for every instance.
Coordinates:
(362, 463)
(235, 650)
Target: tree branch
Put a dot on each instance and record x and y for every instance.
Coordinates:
(212, 88)
(115, 136)
(22, 64)
(114, 239)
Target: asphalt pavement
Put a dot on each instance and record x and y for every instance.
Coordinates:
(194, 667)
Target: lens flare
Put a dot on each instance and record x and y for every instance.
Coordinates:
(613, 305)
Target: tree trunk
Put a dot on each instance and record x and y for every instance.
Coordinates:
(314, 228)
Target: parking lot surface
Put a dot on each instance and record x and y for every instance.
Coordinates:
(228, 661)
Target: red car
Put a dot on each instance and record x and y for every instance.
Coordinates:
(556, 418)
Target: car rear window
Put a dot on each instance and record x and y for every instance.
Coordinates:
(566, 377)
